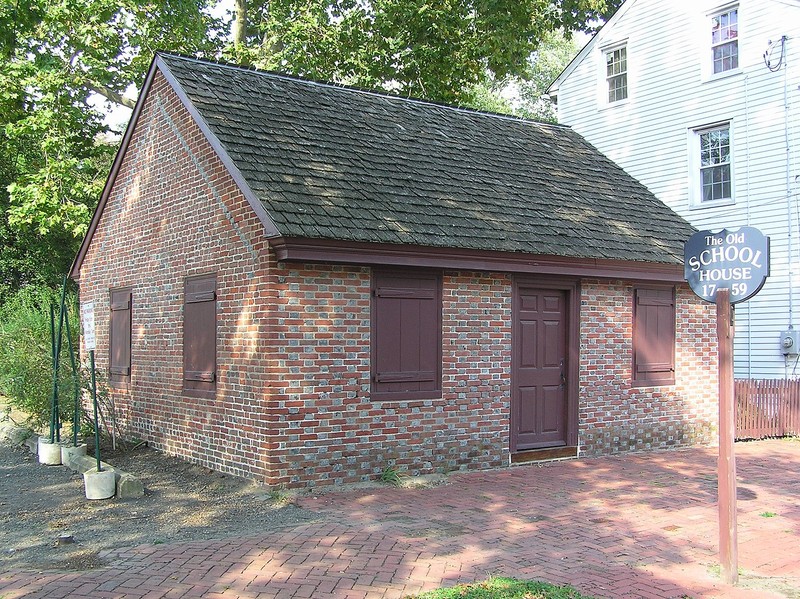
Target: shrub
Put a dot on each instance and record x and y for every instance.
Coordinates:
(26, 363)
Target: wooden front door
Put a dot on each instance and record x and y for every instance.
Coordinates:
(539, 395)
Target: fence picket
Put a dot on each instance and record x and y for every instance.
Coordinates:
(767, 408)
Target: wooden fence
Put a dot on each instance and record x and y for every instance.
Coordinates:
(767, 408)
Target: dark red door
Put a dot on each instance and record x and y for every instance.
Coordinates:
(539, 401)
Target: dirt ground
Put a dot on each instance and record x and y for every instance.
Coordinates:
(182, 502)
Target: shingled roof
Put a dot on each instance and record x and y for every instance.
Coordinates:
(334, 163)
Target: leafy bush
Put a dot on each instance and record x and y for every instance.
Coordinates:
(26, 363)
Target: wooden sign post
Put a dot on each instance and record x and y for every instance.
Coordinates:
(726, 268)
(726, 467)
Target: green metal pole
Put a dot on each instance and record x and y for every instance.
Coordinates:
(53, 404)
(96, 418)
(57, 360)
(76, 382)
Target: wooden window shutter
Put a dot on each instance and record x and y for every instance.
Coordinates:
(200, 336)
(654, 336)
(120, 336)
(407, 335)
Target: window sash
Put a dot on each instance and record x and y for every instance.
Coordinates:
(725, 41)
(715, 165)
(617, 74)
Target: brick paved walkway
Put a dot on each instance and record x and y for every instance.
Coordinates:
(641, 525)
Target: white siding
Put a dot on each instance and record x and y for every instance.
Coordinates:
(649, 135)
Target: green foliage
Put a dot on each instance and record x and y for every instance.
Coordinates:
(54, 158)
(26, 364)
(433, 50)
(552, 56)
(504, 588)
(392, 475)
(57, 56)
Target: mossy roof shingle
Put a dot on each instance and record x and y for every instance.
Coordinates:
(330, 162)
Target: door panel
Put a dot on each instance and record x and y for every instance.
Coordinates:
(539, 402)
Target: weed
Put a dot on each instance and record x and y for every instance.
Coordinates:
(768, 514)
(391, 475)
(279, 496)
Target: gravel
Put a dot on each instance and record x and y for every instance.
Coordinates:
(46, 523)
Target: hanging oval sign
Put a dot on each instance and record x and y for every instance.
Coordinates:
(735, 260)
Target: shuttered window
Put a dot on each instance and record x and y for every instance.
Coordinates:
(406, 335)
(200, 336)
(654, 336)
(119, 344)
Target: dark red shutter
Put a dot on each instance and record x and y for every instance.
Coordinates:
(654, 336)
(200, 335)
(120, 336)
(406, 346)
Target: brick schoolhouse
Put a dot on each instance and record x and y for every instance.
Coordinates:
(305, 283)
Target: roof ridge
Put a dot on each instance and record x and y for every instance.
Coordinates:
(360, 90)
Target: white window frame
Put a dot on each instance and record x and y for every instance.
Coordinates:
(695, 165)
(710, 45)
(605, 78)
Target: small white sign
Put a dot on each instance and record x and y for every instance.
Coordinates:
(87, 318)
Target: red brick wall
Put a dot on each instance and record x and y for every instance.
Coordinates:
(293, 402)
(614, 416)
(326, 425)
(175, 212)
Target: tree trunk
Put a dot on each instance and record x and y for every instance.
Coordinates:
(239, 23)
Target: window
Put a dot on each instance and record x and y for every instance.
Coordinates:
(406, 335)
(200, 336)
(119, 333)
(715, 164)
(617, 74)
(654, 336)
(725, 41)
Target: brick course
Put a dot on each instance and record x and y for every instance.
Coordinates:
(293, 402)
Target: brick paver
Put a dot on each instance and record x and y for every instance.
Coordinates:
(640, 525)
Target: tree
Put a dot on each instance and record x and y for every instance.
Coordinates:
(53, 55)
(546, 63)
(433, 50)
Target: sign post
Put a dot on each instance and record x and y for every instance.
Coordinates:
(726, 268)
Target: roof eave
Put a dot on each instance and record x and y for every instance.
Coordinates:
(297, 249)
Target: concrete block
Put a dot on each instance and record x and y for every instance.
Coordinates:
(49, 453)
(69, 453)
(129, 487)
(33, 444)
(15, 435)
(99, 485)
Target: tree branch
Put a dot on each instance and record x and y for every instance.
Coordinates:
(111, 95)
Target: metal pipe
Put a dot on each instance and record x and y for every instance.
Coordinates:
(96, 419)
(76, 383)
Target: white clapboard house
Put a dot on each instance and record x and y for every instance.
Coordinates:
(700, 101)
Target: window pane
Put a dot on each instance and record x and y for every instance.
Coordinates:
(716, 183)
(616, 74)
(724, 41)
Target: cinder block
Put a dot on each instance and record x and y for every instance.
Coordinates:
(129, 487)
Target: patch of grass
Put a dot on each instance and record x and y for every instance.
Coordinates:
(391, 475)
(504, 588)
(768, 514)
(279, 497)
